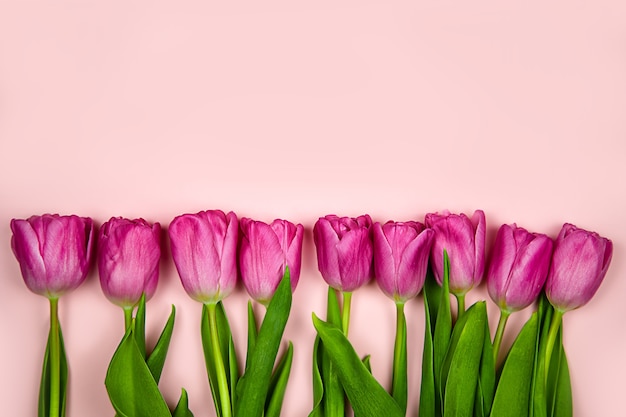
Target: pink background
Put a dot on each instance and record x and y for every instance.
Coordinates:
(296, 110)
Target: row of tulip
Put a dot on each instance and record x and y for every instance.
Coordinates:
(211, 249)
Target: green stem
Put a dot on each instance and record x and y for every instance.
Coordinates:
(128, 317)
(345, 313)
(552, 333)
(497, 340)
(55, 359)
(399, 378)
(222, 382)
(460, 299)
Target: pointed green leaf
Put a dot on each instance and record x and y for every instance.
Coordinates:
(254, 384)
(140, 325)
(443, 331)
(367, 363)
(318, 386)
(487, 379)
(428, 403)
(367, 396)
(539, 406)
(278, 384)
(252, 332)
(156, 360)
(399, 390)
(44, 386)
(131, 387)
(207, 348)
(563, 402)
(514, 391)
(182, 408)
(462, 363)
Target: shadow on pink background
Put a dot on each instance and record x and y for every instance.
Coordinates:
(297, 110)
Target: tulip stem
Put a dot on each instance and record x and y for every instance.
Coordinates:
(399, 377)
(497, 340)
(555, 324)
(128, 317)
(222, 382)
(345, 313)
(55, 359)
(460, 299)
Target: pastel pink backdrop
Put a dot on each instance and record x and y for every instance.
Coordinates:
(296, 110)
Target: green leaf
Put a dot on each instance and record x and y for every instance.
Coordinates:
(253, 386)
(252, 332)
(399, 388)
(182, 408)
(328, 396)
(132, 389)
(367, 363)
(318, 386)
(428, 403)
(278, 384)
(334, 399)
(227, 349)
(140, 325)
(539, 398)
(563, 401)
(207, 348)
(514, 391)
(44, 386)
(367, 396)
(443, 330)
(156, 359)
(487, 379)
(461, 366)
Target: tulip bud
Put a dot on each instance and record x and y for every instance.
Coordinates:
(128, 260)
(54, 252)
(579, 264)
(401, 258)
(204, 248)
(464, 240)
(519, 267)
(344, 251)
(266, 249)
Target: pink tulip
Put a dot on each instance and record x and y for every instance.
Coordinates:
(128, 260)
(266, 250)
(579, 264)
(54, 252)
(519, 267)
(204, 248)
(344, 251)
(401, 258)
(464, 240)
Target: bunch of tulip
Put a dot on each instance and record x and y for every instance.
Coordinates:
(55, 252)
(204, 247)
(461, 375)
(444, 256)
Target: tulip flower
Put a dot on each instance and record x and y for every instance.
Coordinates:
(344, 255)
(464, 240)
(204, 248)
(579, 264)
(344, 251)
(266, 251)
(518, 269)
(54, 253)
(400, 262)
(401, 258)
(128, 260)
